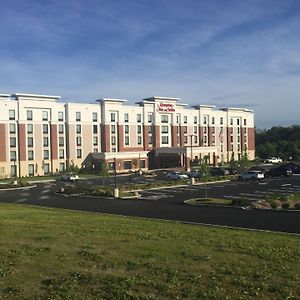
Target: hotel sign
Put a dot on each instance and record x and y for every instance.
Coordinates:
(165, 107)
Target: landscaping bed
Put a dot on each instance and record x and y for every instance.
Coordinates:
(15, 184)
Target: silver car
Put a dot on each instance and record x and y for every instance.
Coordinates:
(251, 175)
(177, 175)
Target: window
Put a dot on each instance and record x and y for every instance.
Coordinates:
(213, 129)
(231, 139)
(221, 121)
(111, 165)
(112, 117)
(78, 128)
(239, 147)
(126, 140)
(95, 150)
(60, 116)
(238, 130)
(139, 129)
(46, 169)
(205, 130)
(205, 139)
(177, 119)
(185, 139)
(232, 147)
(95, 141)
(29, 142)
(150, 129)
(231, 130)
(195, 129)
(60, 128)
(126, 117)
(127, 164)
(29, 128)
(126, 128)
(164, 129)
(139, 140)
(95, 117)
(30, 155)
(113, 128)
(164, 140)
(29, 115)
(184, 129)
(12, 142)
(185, 119)
(150, 139)
(78, 141)
(149, 118)
(61, 167)
(61, 141)
(61, 153)
(13, 155)
(245, 130)
(46, 154)
(113, 140)
(205, 120)
(142, 164)
(238, 122)
(238, 138)
(113, 149)
(13, 171)
(213, 120)
(79, 153)
(45, 115)
(195, 139)
(46, 141)
(139, 118)
(78, 116)
(195, 120)
(245, 122)
(45, 128)
(213, 140)
(164, 119)
(231, 121)
(12, 114)
(31, 169)
(12, 128)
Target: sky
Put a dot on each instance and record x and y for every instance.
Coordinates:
(228, 53)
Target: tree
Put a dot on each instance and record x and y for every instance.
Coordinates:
(205, 173)
(244, 161)
(103, 171)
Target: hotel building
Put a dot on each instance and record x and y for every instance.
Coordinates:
(40, 135)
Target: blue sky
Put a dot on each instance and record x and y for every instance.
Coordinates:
(222, 52)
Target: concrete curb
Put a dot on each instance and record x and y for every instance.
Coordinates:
(20, 188)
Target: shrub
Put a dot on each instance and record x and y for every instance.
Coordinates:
(241, 202)
(285, 205)
(297, 205)
(274, 204)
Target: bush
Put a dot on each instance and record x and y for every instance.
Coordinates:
(241, 202)
(297, 205)
(285, 205)
(274, 204)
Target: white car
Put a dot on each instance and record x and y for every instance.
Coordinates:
(177, 175)
(251, 175)
(273, 160)
(69, 177)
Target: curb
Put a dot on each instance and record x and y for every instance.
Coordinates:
(20, 188)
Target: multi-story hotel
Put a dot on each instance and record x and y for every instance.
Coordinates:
(40, 135)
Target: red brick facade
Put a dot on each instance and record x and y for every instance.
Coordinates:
(156, 140)
(54, 146)
(2, 142)
(251, 139)
(120, 138)
(174, 136)
(22, 142)
(105, 138)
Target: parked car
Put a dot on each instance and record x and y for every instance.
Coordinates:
(273, 160)
(293, 166)
(281, 171)
(251, 175)
(69, 177)
(217, 171)
(195, 174)
(177, 175)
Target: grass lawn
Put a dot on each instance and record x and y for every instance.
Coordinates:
(220, 201)
(57, 254)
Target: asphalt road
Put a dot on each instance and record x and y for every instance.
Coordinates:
(168, 204)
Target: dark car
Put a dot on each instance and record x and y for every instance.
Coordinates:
(294, 167)
(281, 171)
(215, 171)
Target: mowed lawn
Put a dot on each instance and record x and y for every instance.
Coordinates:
(58, 254)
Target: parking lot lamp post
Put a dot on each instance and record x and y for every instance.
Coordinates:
(115, 169)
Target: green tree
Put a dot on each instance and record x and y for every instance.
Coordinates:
(244, 161)
(103, 172)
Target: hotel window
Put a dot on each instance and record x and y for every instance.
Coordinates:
(221, 121)
(78, 128)
(61, 153)
(126, 118)
(185, 119)
(195, 139)
(95, 141)
(126, 140)
(205, 139)
(139, 118)
(45, 115)
(78, 141)
(127, 164)
(29, 142)
(112, 150)
(30, 155)
(12, 128)
(231, 139)
(46, 169)
(164, 140)
(79, 153)
(46, 154)
(245, 122)
(238, 139)
(60, 116)
(205, 130)
(113, 140)
(213, 120)
(139, 140)
(245, 147)
(95, 129)
(139, 129)
(61, 141)
(238, 122)
(142, 164)
(238, 130)
(245, 130)
(150, 139)
(29, 115)
(164, 119)
(195, 129)
(31, 169)
(195, 120)
(45, 128)
(13, 155)
(112, 117)
(185, 139)
(13, 171)
(149, 118)
(111, 166)
(164, 129)
(213, 129)
(46, 142)
(61, 167)
(213, 140)
(231, 130)
(221, 148)
(204, 120)
(126, 128)
(95, 117)
(239, 147)
(12, 114)
(231, 121)
(177, 119)
(113, 128)
(184, 129)
(150, 129)
(60, 128)
(78, 116)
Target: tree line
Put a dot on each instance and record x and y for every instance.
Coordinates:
(283, 142)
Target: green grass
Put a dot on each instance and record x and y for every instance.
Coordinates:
(57, 254)
(197, 201)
